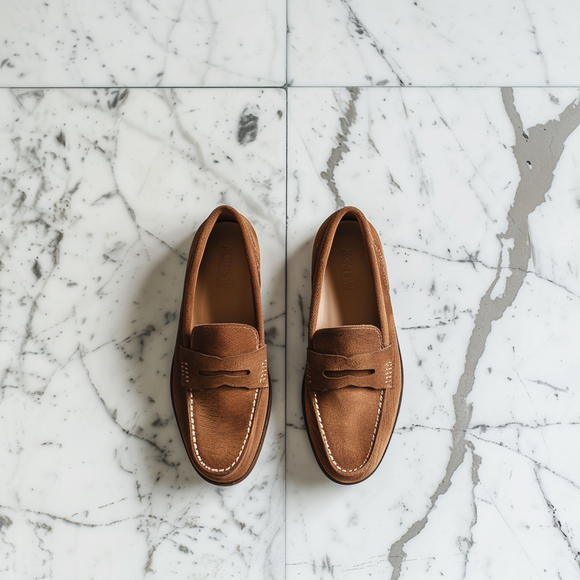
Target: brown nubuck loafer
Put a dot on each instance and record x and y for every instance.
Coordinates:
(219, 380)
(353, 379)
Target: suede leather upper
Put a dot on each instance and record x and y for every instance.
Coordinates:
(220, 384)
(353, 376)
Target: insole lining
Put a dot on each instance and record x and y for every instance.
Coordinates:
(348, 293)
(224, 291)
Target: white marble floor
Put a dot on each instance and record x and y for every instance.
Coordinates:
(455, 126)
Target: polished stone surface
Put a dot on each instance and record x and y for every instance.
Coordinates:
(442, 43)
(150, 43)
(475, 192)
(101, 194)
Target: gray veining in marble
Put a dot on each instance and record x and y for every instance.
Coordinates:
(537, 151)
(341, 148)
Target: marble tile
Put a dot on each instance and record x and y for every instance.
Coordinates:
(476, 196)
(148, 43)
(421, 43)
(101, 192)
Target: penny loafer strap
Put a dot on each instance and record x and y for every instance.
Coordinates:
(202, 371)
(373, 370)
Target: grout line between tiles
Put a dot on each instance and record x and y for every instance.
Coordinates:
(286, 340)
(287, 43)
(286, 86)
(453, 87)
(285, 507)
(131, 87)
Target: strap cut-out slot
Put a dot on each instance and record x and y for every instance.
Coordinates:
(201, 371)
(223, 373)
(372, 370)
(349, 373)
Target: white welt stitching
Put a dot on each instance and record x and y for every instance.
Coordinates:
(326, 441)
(389, 374)
(194, 439)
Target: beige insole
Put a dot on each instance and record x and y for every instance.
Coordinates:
(348, 293)
(224, 292)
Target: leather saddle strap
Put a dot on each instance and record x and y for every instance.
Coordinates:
(202, 371)
(321, 368)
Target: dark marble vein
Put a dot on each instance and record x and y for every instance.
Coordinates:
(338, 152)
(362, 30)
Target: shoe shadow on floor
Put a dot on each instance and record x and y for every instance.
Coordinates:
(150, 329)
(301, 467)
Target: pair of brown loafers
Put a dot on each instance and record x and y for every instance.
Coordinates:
(353, 380)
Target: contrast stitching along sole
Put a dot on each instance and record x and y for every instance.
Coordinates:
(194, 439)
(319, 418)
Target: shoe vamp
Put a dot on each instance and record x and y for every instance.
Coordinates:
(349, 418)
(221, 423)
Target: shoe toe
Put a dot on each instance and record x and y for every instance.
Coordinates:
(348, 419)
(221, 421)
